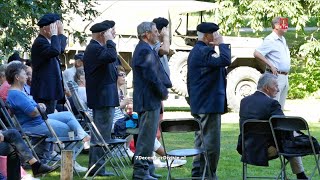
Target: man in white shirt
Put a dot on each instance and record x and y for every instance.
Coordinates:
(274, 52)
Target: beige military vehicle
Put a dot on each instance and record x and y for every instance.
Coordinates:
(184, 16)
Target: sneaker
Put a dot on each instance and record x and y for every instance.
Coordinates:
(29, 177)
(86, 145)
(177, 162)
(159, 164)
(130, 153)
(79, 168)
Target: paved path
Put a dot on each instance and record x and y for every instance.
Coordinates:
(308, 109)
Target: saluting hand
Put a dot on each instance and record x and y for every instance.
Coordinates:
(164, 32)
(108, 35)
(60, 27)
(53, 29)
(217, 38)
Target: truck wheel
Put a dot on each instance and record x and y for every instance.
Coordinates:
(178, 73)
(241, 82)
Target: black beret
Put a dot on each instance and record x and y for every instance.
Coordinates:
(110, 23)
(99, 27)
(15, 57)
(207, 27)
(160, 22)
(48, 19)
(78, 56)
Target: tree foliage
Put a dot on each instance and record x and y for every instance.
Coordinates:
(305, 74)
(18, 19)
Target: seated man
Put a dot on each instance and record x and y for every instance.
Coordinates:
(13, 146)
(260, 105)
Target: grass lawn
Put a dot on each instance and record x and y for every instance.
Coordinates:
(230, 167)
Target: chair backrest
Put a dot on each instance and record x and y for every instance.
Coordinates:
(288, 123)
(180, 125)
(256, 128)
(73, 87)
(6, 114)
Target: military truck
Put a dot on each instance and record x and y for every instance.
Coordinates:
(183, 16)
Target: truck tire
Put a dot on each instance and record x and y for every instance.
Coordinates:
(241, 82)
(178, 73)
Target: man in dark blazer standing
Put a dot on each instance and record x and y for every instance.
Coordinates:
(47, 83)
(101, 86)
(260, 105)
(150, 84)
(206, 83)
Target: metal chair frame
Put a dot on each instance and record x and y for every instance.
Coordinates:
(252, 126)
(183, 125)
(291, 124)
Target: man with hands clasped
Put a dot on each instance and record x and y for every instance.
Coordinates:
(206, 83)
(47, 84)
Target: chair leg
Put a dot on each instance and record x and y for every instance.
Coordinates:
(244, 171)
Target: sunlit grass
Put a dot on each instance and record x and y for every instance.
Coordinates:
(230, 167)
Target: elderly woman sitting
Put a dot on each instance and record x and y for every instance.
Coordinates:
(27, 113)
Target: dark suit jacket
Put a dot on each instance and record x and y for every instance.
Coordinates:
(206, 78)
(47, 81)
(101, 74)
(261, 107)
(150, 81)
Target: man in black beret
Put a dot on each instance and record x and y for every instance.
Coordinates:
(101, 87)
(15, 57)
(47, 84)
(68, 74)
(206, 83)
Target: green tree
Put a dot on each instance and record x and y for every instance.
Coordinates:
(18, 19)
(257, 14)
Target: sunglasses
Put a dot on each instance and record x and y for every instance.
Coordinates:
(122, 74)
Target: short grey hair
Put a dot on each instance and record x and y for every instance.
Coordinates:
(3, 68)
(200, 35)
(143, 28)
(275, 21)
(265, 80)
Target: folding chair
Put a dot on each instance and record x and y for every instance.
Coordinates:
(252, 127)
(285, 124)
(12, 122)
(182, 126)
(108, 147)
(61, 142)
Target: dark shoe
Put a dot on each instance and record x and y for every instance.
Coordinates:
(102, 174)
(156, 175)
(44, 169)
(302, 175)
(143, 177)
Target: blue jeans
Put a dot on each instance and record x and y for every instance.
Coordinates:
(211, 127)
(14, 148)
(103, 118)
(62, 123)
(148, 125)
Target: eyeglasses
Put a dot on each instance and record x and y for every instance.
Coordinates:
(122, 74)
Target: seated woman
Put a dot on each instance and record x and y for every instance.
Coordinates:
(27, 113)
(13, 146)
